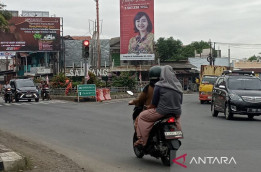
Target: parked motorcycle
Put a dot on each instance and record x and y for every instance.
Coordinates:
(46, 93)
(163, 141)
(8, 95)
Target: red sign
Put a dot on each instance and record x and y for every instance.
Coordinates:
(31, 34)
(137, 29)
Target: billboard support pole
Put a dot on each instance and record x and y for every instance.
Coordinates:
(6, 65)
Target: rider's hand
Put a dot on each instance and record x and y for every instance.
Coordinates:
(131, 102)
(151, 107)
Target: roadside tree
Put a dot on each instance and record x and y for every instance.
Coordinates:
(4, 17)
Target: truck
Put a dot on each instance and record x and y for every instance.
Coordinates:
(208, 76)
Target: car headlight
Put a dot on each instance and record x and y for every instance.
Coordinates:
(235, 97)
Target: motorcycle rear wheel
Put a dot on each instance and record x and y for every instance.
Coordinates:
(138, 151)
(166, 160)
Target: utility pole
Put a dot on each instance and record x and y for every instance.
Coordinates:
(98, 36)
(229, 55)
(210, 58)
(214, 54)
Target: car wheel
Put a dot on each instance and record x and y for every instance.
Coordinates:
(202, 101)
(250, 117)
(228, 114)
(213, 111)
(36, 100)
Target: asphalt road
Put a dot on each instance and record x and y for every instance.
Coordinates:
(98, 136)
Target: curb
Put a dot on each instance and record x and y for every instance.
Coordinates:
(10, 160)
(74, 98)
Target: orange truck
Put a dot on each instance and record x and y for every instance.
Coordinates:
(208, 76)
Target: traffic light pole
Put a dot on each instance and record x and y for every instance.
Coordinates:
(85, 70)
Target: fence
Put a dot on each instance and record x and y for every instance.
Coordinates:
(113, 90)
(61, 91)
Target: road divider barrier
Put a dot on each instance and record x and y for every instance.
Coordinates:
(99, 95)
(107, 94)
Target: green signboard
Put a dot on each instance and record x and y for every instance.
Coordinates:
(86, 90)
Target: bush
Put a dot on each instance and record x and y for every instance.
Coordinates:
(59, 81)
(124, 80)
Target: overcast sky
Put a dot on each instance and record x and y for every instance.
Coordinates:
(226, 21)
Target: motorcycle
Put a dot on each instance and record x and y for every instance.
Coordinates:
(8, 95)
(163, 141)
(46, 93)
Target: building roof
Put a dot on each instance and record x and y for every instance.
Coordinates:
(179, 65)
(81, 37)
(224, 61)
(77, 37)
(114, 41)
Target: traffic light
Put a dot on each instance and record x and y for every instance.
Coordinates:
(86, 47)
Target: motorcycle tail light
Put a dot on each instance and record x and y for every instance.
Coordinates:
(171, 120)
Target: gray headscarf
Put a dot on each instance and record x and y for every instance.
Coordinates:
(168, 79)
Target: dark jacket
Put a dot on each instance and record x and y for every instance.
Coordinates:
(167, 101)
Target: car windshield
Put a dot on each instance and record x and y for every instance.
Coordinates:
(209, 79)
(25, 83)
(244, 84)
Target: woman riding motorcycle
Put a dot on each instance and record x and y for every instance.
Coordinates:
(167, 100)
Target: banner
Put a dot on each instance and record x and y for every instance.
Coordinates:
(31, 34)
(137, 29)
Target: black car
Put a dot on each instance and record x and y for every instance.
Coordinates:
(237, 92)
(24, 89)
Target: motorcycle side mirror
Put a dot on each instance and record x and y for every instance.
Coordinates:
(130, 93)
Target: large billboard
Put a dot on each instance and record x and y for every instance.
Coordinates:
(137, 29)
(31, 34)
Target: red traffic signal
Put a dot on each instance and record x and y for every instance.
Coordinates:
(86, 48)
(86, 43)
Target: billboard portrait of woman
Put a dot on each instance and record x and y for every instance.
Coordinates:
(142, 43)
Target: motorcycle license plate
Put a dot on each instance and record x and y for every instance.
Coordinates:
(173, 134)
(29, 95)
